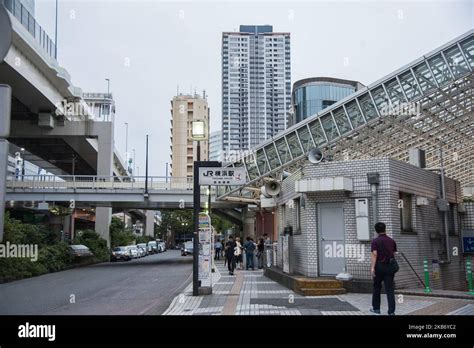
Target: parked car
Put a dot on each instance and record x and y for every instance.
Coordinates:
(141, 252)
(134, 250)
(121, 253)
(187, 248)
(144, 247)
(79, 251)
(162, 246)
(154, 247)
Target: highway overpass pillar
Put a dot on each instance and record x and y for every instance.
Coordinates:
(249, 223)
(150, 223)
(3, 177)
(102, 222)
(105, 156)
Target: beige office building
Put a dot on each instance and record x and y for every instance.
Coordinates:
(185, 109)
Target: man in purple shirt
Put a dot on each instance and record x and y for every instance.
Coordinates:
(383, 248)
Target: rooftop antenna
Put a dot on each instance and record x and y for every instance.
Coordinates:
(203, 94)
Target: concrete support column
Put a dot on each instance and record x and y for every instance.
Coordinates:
(102, 222)
(249, 223)
(3, 177)
(105, 155)
(68, 227)
(150, 223)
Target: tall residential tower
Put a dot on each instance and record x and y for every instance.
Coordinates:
(256, 85)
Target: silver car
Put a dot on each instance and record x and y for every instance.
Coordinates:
(144, 247)
(134, 251)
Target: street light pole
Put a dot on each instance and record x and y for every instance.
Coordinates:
(108, 87)
(134, 164)
(146, 168)
(196, 208)
(22, 163)
(56, 33)
(126, 141)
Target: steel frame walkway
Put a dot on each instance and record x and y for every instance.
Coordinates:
(426, 104)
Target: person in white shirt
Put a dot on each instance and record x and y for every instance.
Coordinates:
(238, 253)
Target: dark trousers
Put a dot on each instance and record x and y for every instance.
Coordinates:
(382, 274)
(218, 254)
(231, 263)
(249, 260)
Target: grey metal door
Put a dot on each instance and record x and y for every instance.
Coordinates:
(331, 236)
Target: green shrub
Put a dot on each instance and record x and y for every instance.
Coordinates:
(18, 232)
(143, 239)
(55, 257)
(51, 258)
(96, 244)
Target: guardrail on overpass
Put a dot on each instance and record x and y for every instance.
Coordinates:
(110, 191)
(78, 182)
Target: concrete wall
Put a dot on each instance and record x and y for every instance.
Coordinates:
(395, 177)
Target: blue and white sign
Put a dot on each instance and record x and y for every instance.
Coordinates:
(468, 241)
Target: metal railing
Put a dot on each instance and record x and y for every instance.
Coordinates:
(416, 274)
(78, 182)
(16, 8)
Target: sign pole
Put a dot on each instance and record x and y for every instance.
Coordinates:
(196, 206)
(5, 110)
(196, 209)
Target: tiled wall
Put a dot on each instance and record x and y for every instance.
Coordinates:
(395, 177)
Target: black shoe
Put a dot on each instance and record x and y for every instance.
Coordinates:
(391, 313)
(375, 311)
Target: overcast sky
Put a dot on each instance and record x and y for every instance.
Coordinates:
(149, 48)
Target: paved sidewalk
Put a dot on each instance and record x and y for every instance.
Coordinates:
(251, 293)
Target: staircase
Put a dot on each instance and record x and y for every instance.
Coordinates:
(318, 286)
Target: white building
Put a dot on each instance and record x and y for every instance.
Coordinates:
(256, 85)
(215, 146)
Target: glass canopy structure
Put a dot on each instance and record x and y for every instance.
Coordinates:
(427, 104)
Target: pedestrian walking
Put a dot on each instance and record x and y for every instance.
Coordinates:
(230, 257)
(218, 248)
(238, 253)
(383, 268)
(249, 247)
(260, 252)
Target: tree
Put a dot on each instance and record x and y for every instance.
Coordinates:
(119, 235)
(220, 224)
(18, 232)
(178, 222)
(96, 244)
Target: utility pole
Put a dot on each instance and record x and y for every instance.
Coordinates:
(126, 141)
(56, 33)
(146, 168)
(134, 164)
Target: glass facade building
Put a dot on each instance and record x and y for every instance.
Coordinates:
(312, 95)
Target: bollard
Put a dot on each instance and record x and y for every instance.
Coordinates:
(469, 275)
(427, 276)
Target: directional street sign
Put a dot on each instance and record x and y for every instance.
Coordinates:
(220, 176)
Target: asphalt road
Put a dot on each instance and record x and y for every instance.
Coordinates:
(140, 286)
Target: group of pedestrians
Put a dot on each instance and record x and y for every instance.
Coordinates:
(234, 251)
